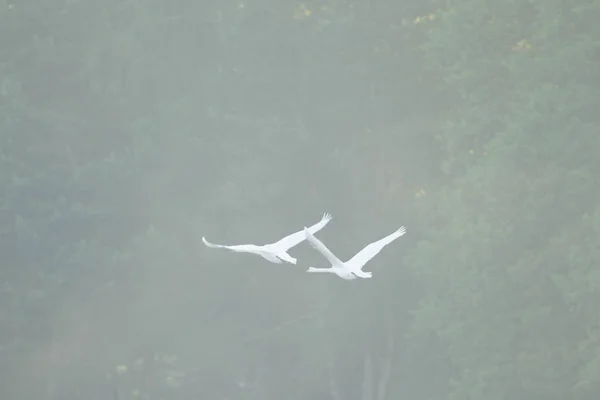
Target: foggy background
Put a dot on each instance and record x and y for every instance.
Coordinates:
(130, 129)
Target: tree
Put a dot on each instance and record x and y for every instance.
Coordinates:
(513, 233)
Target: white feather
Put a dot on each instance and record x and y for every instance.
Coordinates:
(353, 267)
(274, 252)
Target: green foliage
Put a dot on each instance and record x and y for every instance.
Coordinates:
(510, 260)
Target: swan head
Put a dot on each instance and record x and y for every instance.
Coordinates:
(286, 257)
(312, 269)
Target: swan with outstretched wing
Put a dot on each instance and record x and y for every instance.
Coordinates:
(274, 252)
(352, 268)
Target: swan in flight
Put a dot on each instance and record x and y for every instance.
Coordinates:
(352, 268)
(274, 252)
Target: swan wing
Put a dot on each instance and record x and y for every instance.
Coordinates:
(292, 240)
(371, 250)
(237, 248)
(321, 248)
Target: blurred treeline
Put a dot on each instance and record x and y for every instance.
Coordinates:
(131, 128)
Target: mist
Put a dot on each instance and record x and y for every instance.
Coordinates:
(131, 129)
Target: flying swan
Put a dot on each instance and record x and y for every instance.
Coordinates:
(352, 268)
(274, 252)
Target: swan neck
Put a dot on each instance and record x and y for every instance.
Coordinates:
(312, 269)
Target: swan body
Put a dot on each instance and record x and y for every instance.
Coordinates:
(274, 252)
(352, 268)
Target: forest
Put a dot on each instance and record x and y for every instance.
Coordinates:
(130, 129)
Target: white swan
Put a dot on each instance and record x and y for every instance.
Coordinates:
(353, 267)
(274, 252)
